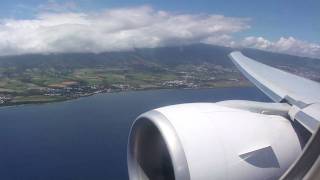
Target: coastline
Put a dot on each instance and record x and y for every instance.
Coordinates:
(65, 99)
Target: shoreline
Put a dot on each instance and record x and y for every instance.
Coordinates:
(116, 91)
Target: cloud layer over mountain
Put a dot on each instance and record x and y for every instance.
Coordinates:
(128, 28)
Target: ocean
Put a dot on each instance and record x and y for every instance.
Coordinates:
(86, 138)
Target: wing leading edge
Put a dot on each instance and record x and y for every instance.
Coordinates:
(281, 86)
(277, 84)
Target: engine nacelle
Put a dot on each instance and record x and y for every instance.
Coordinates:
(202, 141)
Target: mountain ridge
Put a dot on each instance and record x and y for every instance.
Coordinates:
(172, 55)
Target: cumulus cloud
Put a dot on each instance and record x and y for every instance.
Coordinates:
(288, 45)
(61, 27)
(114, 30)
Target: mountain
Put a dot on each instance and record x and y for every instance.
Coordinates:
(170, 56)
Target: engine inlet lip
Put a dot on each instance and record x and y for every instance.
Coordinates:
(170, 137)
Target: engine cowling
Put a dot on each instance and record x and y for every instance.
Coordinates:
(204, 141)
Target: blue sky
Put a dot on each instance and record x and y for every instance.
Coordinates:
(271, 19)
(286, 26)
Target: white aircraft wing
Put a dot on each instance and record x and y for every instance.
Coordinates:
(303, 94)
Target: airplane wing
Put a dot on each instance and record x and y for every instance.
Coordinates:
(303, 94)
(278, 85)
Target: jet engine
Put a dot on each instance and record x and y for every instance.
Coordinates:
(204, 141)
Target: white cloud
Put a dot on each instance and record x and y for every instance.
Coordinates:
(114, 30)
(288, 45)
(58, 28)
